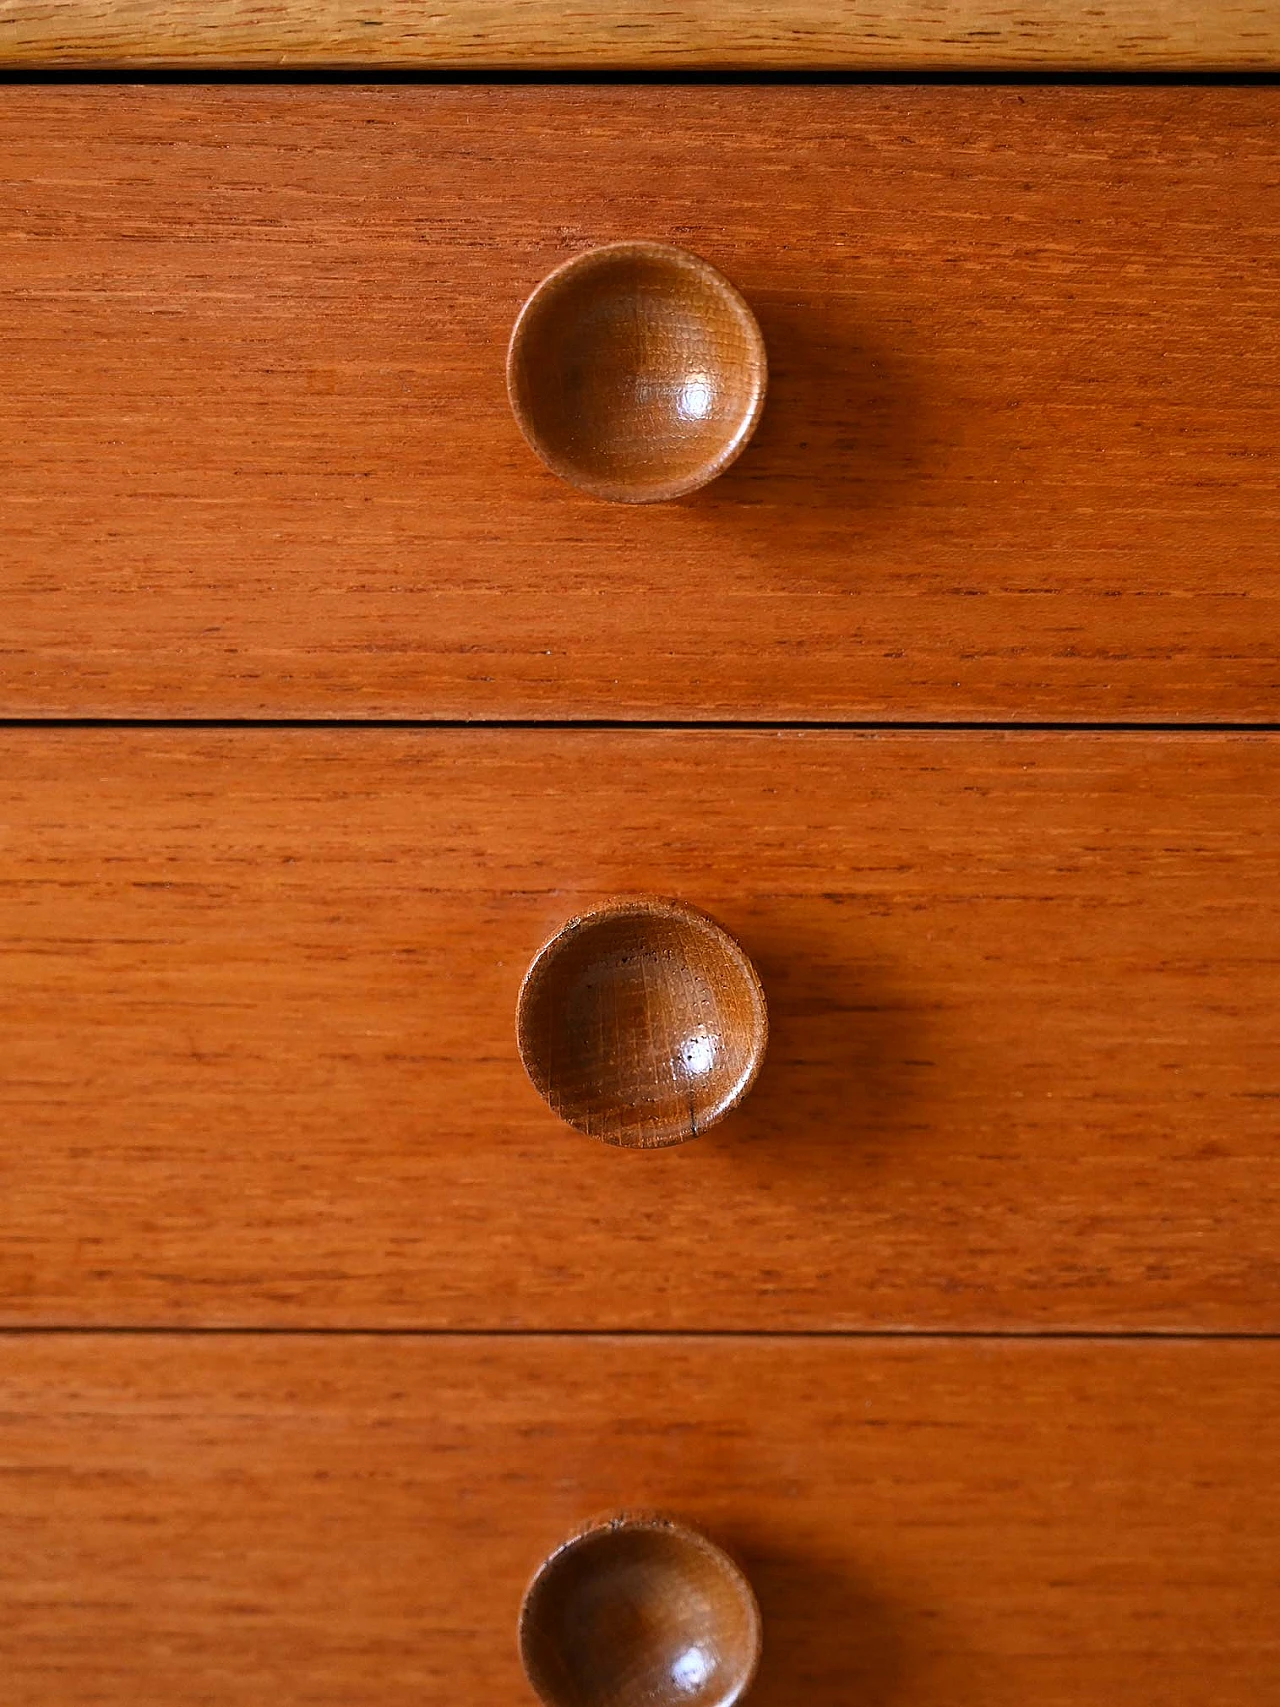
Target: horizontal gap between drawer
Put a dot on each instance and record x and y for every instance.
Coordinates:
(1118, 1336)
(200, 74)
(357, 725)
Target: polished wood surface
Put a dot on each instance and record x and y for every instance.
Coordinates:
(912, 35)
(638, 1610)
(642, 1023)
(258, 999)
(1018, 460)
(637, 372)
(338, 1520)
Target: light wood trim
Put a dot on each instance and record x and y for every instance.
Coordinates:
(333, 1521)
(258, 997)
(762, 35)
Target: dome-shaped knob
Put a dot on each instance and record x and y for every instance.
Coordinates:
(636, 372)
(639, 1611)
(642, 1023)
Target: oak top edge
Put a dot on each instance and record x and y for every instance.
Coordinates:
(638, 35)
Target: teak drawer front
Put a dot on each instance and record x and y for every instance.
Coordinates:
(258, 993)
(1018, 458)
(352, 1520)
(626, 35)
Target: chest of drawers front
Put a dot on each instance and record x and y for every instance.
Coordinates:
(958, 1331)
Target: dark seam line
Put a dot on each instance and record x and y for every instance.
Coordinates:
(358, 725)
(212, 74)
(1073, 1335)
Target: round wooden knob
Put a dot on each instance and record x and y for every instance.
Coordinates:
(642, 1023)
(637, 372)
(639, 1611)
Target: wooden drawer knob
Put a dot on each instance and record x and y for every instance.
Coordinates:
(639, 1611)
(642, 1023)
(637, 372)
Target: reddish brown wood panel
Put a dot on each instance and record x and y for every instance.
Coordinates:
(335, 1521)
(258, 999)
(1018, 459)
(1140, 35)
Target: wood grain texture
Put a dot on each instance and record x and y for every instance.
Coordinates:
(258, 996)
(339, 1521)
(913, 35)
(1019, 458)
